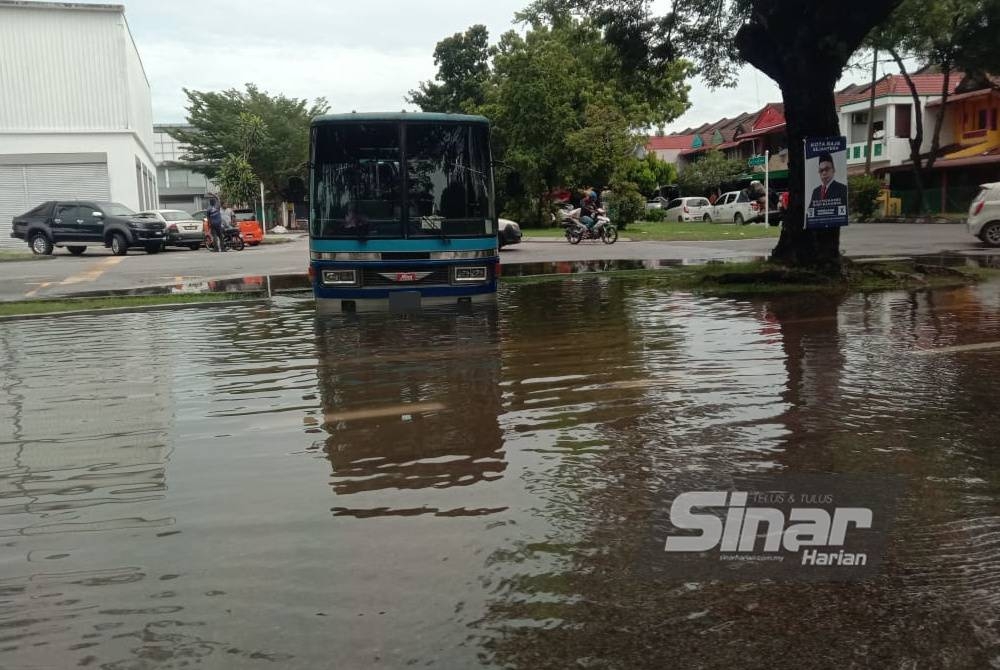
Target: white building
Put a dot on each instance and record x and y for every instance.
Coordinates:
(75, 110)
(894, 120)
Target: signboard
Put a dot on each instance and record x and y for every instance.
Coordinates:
(756, 161)
(826, 182)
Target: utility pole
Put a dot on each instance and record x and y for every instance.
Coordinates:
(767, 188)
(871, 115)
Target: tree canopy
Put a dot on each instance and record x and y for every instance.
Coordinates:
(463, 72)
(711, 172)
(803, 46)
(953, 36)
(564, 111)
(281, 149)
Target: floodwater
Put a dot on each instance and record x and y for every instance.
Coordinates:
(257, 486)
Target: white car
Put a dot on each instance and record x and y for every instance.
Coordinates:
(984, 214)
(689, 209)
(734, 206)
(183, 230)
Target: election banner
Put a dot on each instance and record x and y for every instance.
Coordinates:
(826, 182)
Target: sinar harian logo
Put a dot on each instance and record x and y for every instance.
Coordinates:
(759, 531)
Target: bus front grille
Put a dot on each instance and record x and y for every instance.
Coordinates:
(404, 276)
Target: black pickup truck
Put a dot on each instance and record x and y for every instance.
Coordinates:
(77, 224)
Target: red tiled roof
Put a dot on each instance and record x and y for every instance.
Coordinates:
(695, 150)
(847, 93)
(763, 131)
(983, 92)
(895, 84)
(669, 142)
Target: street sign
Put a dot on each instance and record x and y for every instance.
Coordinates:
(756, 161)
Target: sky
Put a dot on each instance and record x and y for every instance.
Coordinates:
(360, 56)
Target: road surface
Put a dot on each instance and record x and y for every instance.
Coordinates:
(98, 270)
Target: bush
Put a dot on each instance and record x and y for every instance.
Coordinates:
(656, 215)
(863, 193)
(625, 204)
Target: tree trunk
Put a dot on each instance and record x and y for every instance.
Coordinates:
(918, 138)
(809, 112)
(870, 136)
(804, 47)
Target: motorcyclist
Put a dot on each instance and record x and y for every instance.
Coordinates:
(588, 209)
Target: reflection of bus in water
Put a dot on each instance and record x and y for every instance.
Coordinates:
(401, 211)
(410, 408)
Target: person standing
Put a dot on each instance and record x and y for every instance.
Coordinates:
(215, 224)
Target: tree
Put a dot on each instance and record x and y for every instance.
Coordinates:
(649, 173)
(950, 35)
(237, 180)
(802, 46)
(463, 71)
(713, 171)
(562, 114)
(282, 147)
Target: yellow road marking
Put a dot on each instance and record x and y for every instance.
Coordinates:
(95, 271)
(35, 290)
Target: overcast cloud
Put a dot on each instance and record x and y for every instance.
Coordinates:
(362, 56)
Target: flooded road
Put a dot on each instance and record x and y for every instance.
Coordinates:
(256, 486)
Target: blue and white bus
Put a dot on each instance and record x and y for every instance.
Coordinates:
(402, 211)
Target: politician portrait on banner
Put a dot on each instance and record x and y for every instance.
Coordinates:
(826, 177)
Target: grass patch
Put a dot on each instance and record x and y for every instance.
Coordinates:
(18, 256)
(762, 277)
(28, 307)
(673, 231)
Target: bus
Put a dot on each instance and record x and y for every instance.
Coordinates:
(401, 212)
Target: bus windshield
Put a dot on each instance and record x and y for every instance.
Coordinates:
(366, 182)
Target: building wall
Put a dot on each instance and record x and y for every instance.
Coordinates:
(122, 149)
(668, 155)
(70, 70)
(72, 83)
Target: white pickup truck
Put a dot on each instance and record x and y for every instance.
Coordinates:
(734, 206)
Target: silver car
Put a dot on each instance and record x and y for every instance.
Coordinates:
(183, 230)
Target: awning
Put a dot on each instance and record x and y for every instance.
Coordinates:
(763, 131)
(992, 156)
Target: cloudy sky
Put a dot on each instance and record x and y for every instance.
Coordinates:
(360, 55)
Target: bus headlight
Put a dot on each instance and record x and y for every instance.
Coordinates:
(470, 274)
(340, 277)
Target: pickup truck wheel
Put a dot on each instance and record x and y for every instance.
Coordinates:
(738, 219)
(119, 245)
(153, 248)
(40, 245)
(707, 218)
(76, 251)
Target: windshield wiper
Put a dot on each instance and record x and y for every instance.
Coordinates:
(434, 222)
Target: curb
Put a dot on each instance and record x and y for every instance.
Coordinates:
(136, 308)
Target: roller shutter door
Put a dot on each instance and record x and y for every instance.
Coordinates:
(25, 186)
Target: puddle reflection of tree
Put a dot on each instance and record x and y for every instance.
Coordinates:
(444, 365)
(587, 602)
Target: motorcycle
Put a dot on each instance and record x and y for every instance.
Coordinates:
(232, 239)
(577, 231)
